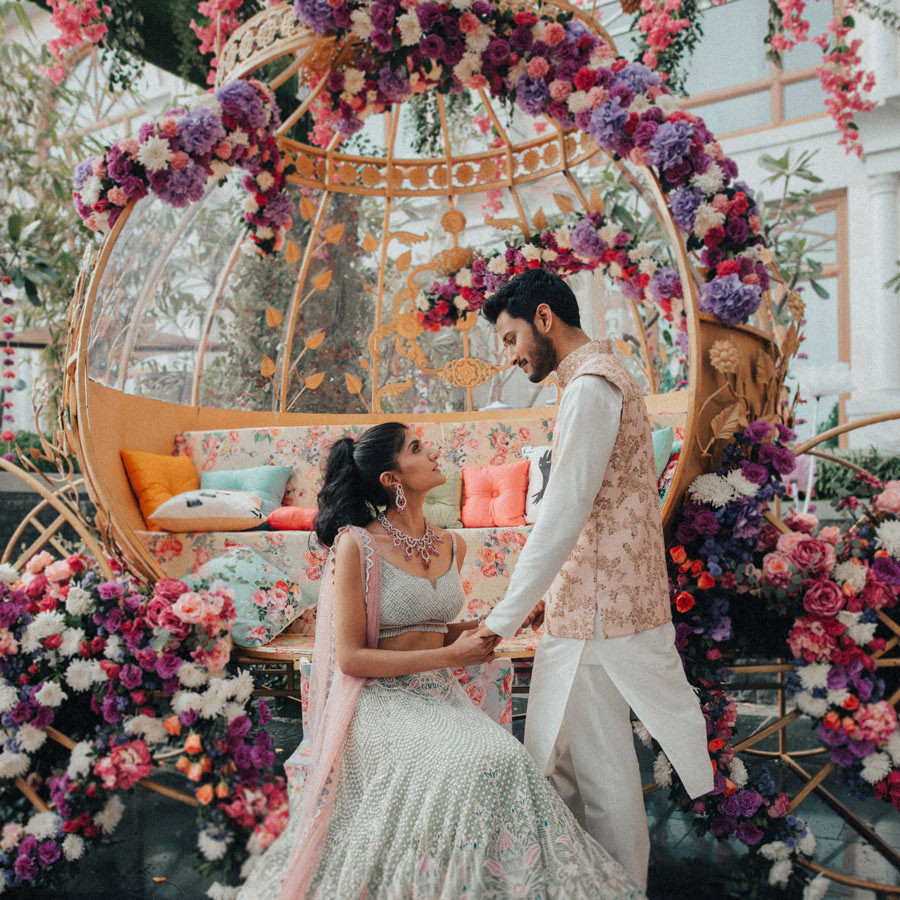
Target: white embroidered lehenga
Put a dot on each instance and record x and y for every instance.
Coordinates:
(414, 792)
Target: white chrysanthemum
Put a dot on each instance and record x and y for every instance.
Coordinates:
(460, 302)
(641, 251)
(478, 40)
(151, 729)
(12, 765)
(82, 673)
(577, 101)
(186, 701)
(211, 704)
(109, 817)
(79, 602)
(8, 698)
(265, 180)
(113, 648)
(712, 180)
(876, 767)
(705, 218)
(775, 850)
(468, 66)
(640, 104)
(780, 872)
(232, 710)
(49, 694)
(463, 278)
(662, 771)
(219, 891)
(241, 686)
(741, 485)
(862, 632)
(529, 251)
(609, 232)
(71, 642)
(43, 625)
(892, 747)
(712, 489)
(80, 760)
(850, 573)
(548, 254)
(90, 190)
(220, 169)
(461, 4)
(648, 266)
(211, 846)
(640, 729)
(362, 23)
(815, 707)
(738, 772)
(43, 825)
(422, 304)
(807, 844)
(817, 888)
(30, 738)
(889, 538)
(8, 575)
(668, 103)
(72, 847)
(250, 205)
(193, 676)
(265, 233)
(564, 238)
(815, 675)
(239, 137)
(155, 154)
(837, 698)
(354, 81)
(498, 265)
(410, 29)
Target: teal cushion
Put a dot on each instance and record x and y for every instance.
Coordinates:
(265, 601)
(662, 448)
(268, 482)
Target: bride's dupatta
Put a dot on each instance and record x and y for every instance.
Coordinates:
(332, 702)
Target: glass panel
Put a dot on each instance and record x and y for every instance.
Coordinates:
(803, 99)
(737, 114)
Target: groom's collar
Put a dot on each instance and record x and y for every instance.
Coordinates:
(566, 369)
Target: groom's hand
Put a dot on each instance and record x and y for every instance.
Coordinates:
(535, 617)
(490, 638)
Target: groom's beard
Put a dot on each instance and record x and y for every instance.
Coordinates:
(541, 357)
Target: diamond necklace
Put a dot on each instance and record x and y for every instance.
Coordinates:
(423, 547)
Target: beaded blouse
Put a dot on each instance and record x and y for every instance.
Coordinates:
(411, 603)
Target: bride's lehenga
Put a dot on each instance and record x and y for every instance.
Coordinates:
(429, 797)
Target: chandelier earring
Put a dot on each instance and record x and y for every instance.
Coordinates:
(400, 498)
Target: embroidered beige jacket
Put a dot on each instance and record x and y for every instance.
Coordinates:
(618, 565)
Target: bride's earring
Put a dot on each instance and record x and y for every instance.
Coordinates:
(400, 498)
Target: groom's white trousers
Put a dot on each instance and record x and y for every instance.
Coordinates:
(579, 732)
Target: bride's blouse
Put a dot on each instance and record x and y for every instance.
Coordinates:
(414, 603)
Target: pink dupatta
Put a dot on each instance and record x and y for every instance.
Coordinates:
(332, 702)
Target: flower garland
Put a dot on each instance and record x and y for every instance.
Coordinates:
(79, 22)
(738, 581)
(124, 670)
(7, 375)
(175, 156)
(552, 66)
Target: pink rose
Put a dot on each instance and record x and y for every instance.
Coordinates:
(801, 521)
(125, 766)
(787, 542)
(875, 595)
(889, 501)
(814, 556)
(12, 834)
(831, 534)
(823, 598)
(58, 571)
(170, 588)
(37, 563)
(218, 658)
(777, 569)
(780, 806)
(190, 607)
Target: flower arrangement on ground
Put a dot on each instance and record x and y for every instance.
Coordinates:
(97, 678)
(176, 156)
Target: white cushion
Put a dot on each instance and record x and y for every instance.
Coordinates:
(210, 510)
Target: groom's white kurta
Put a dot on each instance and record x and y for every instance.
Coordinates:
(582, 737)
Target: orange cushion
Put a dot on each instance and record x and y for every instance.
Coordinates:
(156, 478)
(494, 495)
(292, 518)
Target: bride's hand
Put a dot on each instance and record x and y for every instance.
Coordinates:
(473, 647)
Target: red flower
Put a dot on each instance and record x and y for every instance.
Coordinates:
(714, 236)
(678, 554)
(684, 601)
(584, 79)
(832, 720)
(706, 581)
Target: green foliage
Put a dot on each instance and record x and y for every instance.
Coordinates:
(834, 481)
(29, 443)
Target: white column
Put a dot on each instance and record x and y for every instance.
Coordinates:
(881, 390)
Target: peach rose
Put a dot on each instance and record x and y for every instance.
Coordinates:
(777, 569)
(889, 500)
(190, 607)
(219, 656)
(787, 542)
(193, 744)
(38, 563)
(831, 534)
(204, 794)
(58, 571)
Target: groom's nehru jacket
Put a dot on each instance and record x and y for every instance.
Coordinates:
(596, 555)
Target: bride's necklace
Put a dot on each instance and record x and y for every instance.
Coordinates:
(422, 547)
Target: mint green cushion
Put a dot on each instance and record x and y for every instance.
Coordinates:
(442, 502)
(268, 482)
(265, 600)
(662, 448)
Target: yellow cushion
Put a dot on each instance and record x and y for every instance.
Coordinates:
(156, 478)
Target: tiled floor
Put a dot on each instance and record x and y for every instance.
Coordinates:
(156, 836)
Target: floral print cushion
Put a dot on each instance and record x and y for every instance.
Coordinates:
(266, 603)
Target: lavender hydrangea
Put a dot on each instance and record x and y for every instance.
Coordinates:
(671, 144)
(200, 130)
(183, 186)
(394, 85)
(82, 171)
(241, 100)
(637, 77)
(664, 285)
(607, 124)
(730, 299)
(315, 14)
(532, 94)
(279, 210)
(683, 203)
(584, 238)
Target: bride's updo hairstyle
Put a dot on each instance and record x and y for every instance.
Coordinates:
(352, 493)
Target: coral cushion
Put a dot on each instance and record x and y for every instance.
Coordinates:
(156, 477)
(494, 495)
(292, 518)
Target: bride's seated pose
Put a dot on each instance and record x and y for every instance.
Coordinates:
(413, 792)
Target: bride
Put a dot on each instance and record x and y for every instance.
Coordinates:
(413, 792)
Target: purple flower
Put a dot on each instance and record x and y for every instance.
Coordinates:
(705, 521)
(432, 46)
(382, 15)
(239, 727)
(279, 209)
(134, 187)
(110, 590)
(886, 570)
(730, 806)
(47, 852)
(496, 54)
(532, 94)
(750, 802)
(664, 285)
(621, 93)
(837, 678)
(242, 757)
(184, 186)
(584, 238)
(242, 100)
(82, 171)
(722, 826)
(114, 620)
(316, 14)
(637, 77)
(25, 867)
(756, 433)
(644, 133)
(683, 203)
(188, 718)
(131, 676)
(265, 714)
(720, 630)
(737, 229)
(200, 130)
(749, 834)
(168, 665)
(671, 144)
(785, 434)
(394, 85)
(429, 15)
(754, 472)
(607, 125)
(262, 757)
(730, 299)
(383, 40)
(521, 39)
(42, 718)
(780, 458)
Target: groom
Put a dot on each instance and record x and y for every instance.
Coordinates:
(596, 556)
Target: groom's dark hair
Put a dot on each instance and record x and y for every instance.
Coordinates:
(523, 294)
